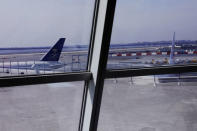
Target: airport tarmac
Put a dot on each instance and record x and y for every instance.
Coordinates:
(78, 62)
(135, 106)
(72, 61)
(145, 61)
(48, 107)
(142, 106)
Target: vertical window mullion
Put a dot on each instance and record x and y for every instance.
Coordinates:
(98, 63)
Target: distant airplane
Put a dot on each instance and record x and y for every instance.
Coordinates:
(50, 60)
(185, 77)
(133, 63)
(47, 63)
(153, 63)
(165, 62)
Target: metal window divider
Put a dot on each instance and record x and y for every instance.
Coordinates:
(97, 64)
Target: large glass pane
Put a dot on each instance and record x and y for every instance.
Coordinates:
(46, 107)
(148, 33)
(149, 103)
(29, 29)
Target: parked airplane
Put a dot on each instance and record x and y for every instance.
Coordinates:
(47, 63)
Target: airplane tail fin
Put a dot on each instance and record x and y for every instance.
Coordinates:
(55, 52)
(172, 50)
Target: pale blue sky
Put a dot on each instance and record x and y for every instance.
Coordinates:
(42, 22)
(154, 20)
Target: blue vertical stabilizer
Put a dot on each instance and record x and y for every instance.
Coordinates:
(55, 52)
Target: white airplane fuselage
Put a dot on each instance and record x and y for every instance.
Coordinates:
(47, 65)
